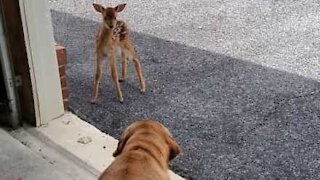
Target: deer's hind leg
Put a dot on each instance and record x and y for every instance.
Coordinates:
(129, 49)
(139, 72)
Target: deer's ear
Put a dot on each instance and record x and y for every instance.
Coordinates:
(120, 7)
(99, 8)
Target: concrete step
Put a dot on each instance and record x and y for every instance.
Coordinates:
(25, 155)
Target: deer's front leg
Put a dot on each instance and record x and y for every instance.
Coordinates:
(97, 79)
(114, 74)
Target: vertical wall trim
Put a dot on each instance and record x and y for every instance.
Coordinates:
(44, 70)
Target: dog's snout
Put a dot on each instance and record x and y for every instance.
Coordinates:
(111, 26)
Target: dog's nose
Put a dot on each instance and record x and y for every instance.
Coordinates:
(111, 26)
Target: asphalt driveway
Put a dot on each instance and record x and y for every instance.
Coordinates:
(238, 86)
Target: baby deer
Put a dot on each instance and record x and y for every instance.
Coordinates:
(112, 35)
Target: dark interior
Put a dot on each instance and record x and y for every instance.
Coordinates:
(19, 61)
(3, 94)
(4, 106)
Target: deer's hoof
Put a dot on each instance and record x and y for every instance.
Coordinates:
(142, 91)
(93, 101)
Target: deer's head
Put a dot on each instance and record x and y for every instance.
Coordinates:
(109, 14)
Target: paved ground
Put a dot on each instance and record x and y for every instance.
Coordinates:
(237, 83)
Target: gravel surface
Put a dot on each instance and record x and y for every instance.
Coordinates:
(237, 82)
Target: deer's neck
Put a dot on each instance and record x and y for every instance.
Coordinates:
(105, 33)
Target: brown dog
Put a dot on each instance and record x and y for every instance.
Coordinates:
(143, 152)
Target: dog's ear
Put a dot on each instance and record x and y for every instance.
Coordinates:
(99, 8)
(120, 7)
(174, 148)
(122, 142)
(119, 148)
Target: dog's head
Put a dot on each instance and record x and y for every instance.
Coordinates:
(109, 14)
(173, 147)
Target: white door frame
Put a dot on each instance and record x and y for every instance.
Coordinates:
(44, 71)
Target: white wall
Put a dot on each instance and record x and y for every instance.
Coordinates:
(44, 70)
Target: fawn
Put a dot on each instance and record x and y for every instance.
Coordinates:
(112, 35)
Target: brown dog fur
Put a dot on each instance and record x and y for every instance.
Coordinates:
(143, 153)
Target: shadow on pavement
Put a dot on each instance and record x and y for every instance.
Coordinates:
(233, 119)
